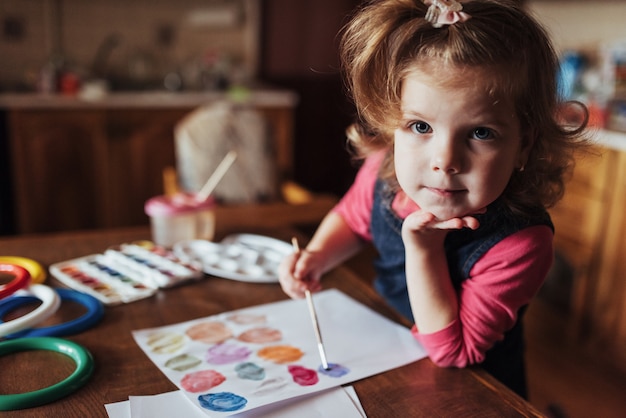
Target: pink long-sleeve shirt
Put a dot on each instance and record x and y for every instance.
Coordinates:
(502, 281)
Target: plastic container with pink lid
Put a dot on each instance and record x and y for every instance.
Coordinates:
(180, 217)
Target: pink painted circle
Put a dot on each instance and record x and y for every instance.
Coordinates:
(201, 381)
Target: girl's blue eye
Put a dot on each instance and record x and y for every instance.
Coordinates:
(420, 127)
(482, 133)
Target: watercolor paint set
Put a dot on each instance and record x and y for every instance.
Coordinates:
(125, 273)
(243, 257)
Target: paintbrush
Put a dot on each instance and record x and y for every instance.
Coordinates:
(316, 327)
(217, 175)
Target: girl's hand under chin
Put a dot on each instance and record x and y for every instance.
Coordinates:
(422, 227)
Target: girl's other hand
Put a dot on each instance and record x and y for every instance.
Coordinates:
(300, 271)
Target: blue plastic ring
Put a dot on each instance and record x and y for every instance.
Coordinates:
(95, 311)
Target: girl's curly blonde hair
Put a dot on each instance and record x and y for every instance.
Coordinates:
(386, 39)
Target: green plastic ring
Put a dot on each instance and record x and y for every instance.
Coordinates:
(80, 355)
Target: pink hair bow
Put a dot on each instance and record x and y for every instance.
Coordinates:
(445, 12)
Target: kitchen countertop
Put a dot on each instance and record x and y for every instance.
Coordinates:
(146, 99)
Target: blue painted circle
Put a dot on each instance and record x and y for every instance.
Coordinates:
(95, 311)
(222, 402)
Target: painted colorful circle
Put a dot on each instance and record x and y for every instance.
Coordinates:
(209, 332)
(250, 371)
(183, 362)
(260, 335)
(280, 354)
(165, 342)
(303, 376)
(201, 381)
(247, 319)
(270, 386)
(227, 353)
(334, 370)
(222, 402)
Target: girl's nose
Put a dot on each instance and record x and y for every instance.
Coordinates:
(445, 157)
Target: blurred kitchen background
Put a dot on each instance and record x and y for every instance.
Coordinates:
(90, 50)
(91, 91)
(133, 45)
(71, 46)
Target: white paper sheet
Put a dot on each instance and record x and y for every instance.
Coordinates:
(118, 409)
(337, 402)
(273, 347)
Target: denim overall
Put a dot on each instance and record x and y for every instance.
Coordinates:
(505, 360)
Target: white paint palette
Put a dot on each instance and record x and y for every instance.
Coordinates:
(244, 257)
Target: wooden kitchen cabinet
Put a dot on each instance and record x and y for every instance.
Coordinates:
(607, 313)
(140, 144)
(56, 181)
(82, 169)
(590, 222)
(95, 167)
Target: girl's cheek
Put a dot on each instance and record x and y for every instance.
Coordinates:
(407, 171)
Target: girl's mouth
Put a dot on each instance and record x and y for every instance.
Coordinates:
(445, 192)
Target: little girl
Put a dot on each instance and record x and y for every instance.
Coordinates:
(463, 150)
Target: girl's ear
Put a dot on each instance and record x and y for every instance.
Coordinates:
(528, 141)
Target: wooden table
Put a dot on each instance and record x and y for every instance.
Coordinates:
(420, 389)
